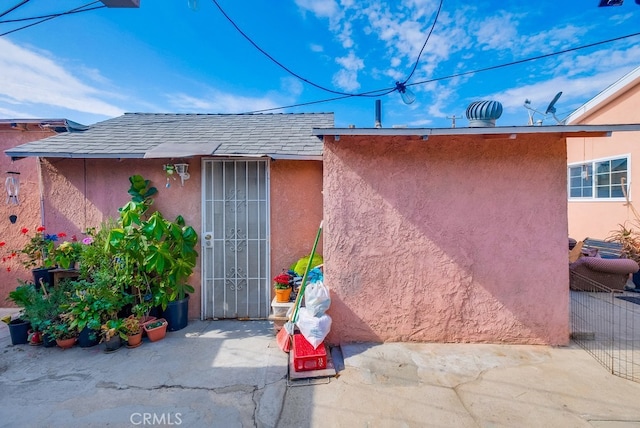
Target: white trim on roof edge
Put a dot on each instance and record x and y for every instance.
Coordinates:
(603, 97)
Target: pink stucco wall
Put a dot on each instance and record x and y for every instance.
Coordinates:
(296, 210)
(28, 211)
(81, 193)
(454, 239)
(597, 219)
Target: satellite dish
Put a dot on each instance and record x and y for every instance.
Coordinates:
(551, 109)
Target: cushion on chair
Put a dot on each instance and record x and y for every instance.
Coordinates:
(622, 266)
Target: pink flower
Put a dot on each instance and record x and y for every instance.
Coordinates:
(88, 240)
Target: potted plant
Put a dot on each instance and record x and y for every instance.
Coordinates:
(157, 256)
(112, 335)
(91, 304)
(60, 329)
(282, 286)
(629, 238)
(133, 330)
(156, 330)
(22, 297)
(44, 308)
(36, 254)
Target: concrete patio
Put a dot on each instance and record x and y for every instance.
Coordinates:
(232, 374)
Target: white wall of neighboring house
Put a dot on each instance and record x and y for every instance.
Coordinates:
(597, 216)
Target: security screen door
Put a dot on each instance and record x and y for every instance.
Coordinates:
(235, 239)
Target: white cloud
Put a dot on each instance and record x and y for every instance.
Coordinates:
(31, 77)
(497, 32)
(320, 8)
(316, 48)
(291, 86)
(347, 77)
(219, 102)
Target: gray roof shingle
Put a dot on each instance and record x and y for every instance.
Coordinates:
(137, 135)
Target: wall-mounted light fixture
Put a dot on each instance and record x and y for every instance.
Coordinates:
(178, 168)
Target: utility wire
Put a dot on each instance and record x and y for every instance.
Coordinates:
(11, 9)
(465, 73)
(54, 15)
(375, 93)
(75, 10)
(425, 43)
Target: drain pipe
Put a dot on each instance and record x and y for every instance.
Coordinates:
(378, 123)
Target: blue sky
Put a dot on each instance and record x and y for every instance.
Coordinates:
(169, 58)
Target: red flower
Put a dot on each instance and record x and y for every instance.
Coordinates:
(41, 229)
(8, 269)
(2, 243)
(24, 230)
(61, 235)
(74, 238)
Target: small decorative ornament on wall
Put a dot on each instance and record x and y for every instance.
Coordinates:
(12, 186)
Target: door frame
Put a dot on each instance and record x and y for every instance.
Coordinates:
(203, 283)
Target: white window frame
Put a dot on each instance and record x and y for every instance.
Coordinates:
(593, 163)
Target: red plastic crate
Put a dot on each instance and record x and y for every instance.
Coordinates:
(305, 357)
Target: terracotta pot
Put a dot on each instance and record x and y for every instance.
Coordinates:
(145, 320)
(282, 296)
(134, 340)
(66, 343)
(156, 333)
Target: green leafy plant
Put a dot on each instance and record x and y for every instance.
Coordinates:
(156, 256)
(91, 304)
(112, 328)
(131, 325)
(60, 328)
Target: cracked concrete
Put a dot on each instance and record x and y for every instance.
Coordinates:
(232, 374)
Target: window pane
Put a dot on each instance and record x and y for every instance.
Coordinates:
(587, 192)
(619, 165)
(575, 171)
(602, 167)
(616, 192)
(575, 193)
(602, 191)
(602, 179)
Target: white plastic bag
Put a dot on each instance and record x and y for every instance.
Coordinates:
(316, 298)
(314, 329)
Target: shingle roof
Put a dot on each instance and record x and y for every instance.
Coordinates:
(134, 135)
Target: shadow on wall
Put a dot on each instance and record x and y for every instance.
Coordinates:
(448, 229)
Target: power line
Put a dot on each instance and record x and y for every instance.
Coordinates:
(75, 10)
(425, 43)
(480, 70)
(11, 9)
(54, 15)
(375, 93)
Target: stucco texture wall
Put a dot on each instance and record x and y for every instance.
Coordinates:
(28, 210)
(597, 219)
(456, 239)
(296, 210)
(82, 193)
